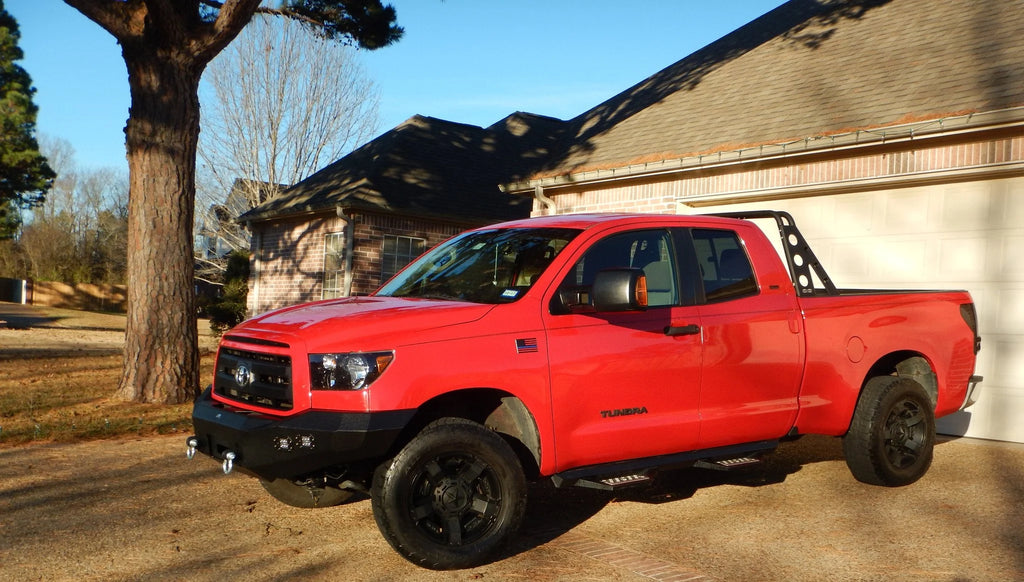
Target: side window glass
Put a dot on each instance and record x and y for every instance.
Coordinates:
(649, 250)
(724, 265)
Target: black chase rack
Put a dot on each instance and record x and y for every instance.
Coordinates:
(799, 255)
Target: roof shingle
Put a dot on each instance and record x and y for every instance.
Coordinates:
(427, 167)
(810, 68)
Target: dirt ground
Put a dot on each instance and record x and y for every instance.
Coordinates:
(137, 509)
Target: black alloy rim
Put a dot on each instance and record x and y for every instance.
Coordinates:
(456, 499)
(905, 434)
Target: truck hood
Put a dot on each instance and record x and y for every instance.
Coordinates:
(360, 323)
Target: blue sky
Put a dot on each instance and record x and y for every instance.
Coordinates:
(470, 61)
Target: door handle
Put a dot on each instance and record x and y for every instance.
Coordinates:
(692, 329)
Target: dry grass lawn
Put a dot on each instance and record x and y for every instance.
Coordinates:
(57, 383)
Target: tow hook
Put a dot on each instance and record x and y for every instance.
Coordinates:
(229, 462)
(229, 456)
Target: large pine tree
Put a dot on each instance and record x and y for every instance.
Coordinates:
(166, 45)
(24, 174)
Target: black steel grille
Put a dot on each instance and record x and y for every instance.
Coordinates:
(254, 378)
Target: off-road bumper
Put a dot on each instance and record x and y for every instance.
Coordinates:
(973, 391)
(293, 446)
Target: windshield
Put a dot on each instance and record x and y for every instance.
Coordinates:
(492, 266)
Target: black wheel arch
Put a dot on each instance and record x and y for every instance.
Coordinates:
(907, 364)
(496, 409)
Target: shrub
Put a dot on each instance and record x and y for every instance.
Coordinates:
(228, 310)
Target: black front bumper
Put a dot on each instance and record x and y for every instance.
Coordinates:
(294, 446)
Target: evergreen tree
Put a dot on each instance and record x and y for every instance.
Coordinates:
(228, 310)
(25, 176)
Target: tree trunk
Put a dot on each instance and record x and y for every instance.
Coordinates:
(161, 357)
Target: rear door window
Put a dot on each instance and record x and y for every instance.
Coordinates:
(724, 265)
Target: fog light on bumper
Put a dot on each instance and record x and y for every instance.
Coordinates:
(304, 442)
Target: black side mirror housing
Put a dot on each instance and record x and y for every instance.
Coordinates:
(621, 289)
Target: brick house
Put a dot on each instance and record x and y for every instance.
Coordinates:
(893, 131)
(350, 226)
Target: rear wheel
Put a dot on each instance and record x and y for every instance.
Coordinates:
(452, 498)
(892, 434)
(304, 494)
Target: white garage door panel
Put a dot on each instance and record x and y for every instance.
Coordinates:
(962, 259)
(1011, 265)
(957, 236)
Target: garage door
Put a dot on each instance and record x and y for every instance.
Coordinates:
(967, 235)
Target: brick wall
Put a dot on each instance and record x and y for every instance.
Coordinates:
(652, 196)
(877, 167)
(287, 261)
(937, 159)
(288, 255)
(369, 241)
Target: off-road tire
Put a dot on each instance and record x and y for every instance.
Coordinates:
(452, 498)
(300, 495)
(892, 434)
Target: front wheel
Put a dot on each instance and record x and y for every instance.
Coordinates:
(452, 498)
(892, 434)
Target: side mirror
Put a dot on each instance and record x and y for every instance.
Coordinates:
(619, 290)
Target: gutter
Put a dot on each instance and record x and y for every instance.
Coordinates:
(934, 128)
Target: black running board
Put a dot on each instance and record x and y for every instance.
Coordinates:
(612, 476)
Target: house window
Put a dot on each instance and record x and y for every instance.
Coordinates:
(399, 251)
(334, 265)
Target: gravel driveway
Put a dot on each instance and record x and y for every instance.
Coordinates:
(138, 510)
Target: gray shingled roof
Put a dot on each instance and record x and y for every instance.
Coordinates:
(427, 167)
(810, 68)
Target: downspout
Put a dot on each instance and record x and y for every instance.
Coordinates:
(538, 194)
(256, 249)
(350, 237)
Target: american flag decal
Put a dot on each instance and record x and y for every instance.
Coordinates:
(526, 345)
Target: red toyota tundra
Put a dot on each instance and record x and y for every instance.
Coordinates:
(591, 350)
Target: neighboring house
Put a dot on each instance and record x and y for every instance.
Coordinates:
(893, 131)
(219, 232)
(349, 227)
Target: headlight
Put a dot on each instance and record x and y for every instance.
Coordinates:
(347, 371)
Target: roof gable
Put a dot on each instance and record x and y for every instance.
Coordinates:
(427, 166)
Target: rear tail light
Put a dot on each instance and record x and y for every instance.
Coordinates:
(970, 315)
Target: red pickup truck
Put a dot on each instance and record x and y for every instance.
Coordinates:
(591, 350)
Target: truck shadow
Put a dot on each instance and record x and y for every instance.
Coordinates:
(553, 512)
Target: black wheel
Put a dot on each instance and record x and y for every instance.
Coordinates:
(452, 498)
(305, 495)
(892, 435)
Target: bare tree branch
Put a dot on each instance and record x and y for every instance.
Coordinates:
(279, 104)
